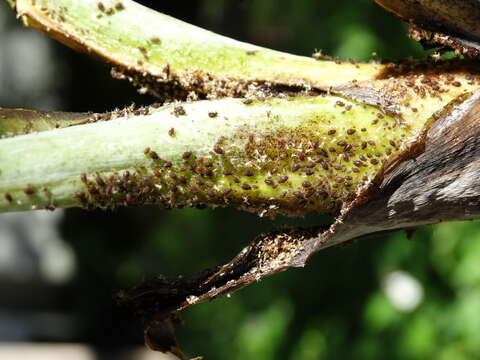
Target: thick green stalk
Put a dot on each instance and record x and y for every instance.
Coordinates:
(288, 155)
(152, 49)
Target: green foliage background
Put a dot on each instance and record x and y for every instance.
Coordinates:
(334, 308)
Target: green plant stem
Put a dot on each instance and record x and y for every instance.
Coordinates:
(19, 121)
(273, 156)
(152, 48)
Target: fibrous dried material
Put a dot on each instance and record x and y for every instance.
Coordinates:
(441, 23)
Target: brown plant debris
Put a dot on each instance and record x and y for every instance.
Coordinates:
(157, 301)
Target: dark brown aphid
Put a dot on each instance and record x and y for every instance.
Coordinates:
(298, 194)
(309, 172)
(296, 167)
(309, 193)
(171, 132)
(179, 111)
(186, 154)
(251, 52)
(248, 173)
(93, 190)
(340, 103)
(211, 193)
(269, 182)
(80, 195)
(351, 131)
(282, 179)
(374, 161)
(226, 192)
(50, 207)
(227, 172)
(154, 155)
(236, 179)
(29, 190)
(8, 197)
(167, 165)
(100, 6)
(83, 178)
(457, 83)
(213, 114)
(246, 187)
(100, 181)
(306, 184)
(119, 6)
(247, 101)
(109, 11)
(217, 149)
(331, 132)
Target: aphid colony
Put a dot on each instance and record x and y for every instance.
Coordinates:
(316, 166)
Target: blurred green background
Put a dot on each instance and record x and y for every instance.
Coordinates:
(380, 298)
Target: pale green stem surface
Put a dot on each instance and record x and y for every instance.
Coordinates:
(19, 121)
(274, 156)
